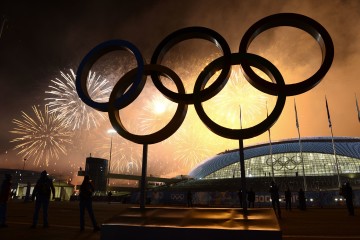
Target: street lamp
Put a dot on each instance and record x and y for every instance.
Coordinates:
(111, 132)
(24, 164)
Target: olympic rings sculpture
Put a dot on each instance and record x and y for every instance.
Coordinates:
(283, 162)
(132, 83)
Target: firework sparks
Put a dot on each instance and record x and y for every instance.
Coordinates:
(225, 106)
(69, 107)
(42, 138)
(189, 68)
(194, 143)
(151, 111)
(156, 112)
(125, 155)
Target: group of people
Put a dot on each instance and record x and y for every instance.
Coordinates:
(275, 199)
(301, 199)
(41, 194)
(250, 198)
(345, 191)
(44, 189)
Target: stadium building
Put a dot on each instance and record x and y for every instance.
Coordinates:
(318, 155)
(319, 162)
(318, 165)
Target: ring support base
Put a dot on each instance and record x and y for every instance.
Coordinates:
(175, 223)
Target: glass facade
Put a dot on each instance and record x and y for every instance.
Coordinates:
(290, 164)
(314, 156)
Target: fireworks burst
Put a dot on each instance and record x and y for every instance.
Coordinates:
(151, 111)
(126, 156)
(225, 106)
(188, 65)
(156, 112)
(194, 143)
(42, 138)
(70, 108)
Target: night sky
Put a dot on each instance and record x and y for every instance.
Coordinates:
(39, 39)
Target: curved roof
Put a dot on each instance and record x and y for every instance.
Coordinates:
(344, 146)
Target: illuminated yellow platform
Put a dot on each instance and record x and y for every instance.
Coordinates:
(169, 223)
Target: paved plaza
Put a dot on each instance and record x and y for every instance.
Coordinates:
(311, 224)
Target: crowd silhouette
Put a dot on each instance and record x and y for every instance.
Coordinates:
(44, 189)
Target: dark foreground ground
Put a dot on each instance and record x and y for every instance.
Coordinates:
(64, 222)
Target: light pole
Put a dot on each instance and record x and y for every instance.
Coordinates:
(2, 25)
(111, 132)
(24, 164)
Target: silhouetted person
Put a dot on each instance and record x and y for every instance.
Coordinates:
(27, 195)
(347, 192)
(109, 195)
(302, 199)
(274, 192)
(251, 198)
(288, 199)
(4, 197)
(148, 195)
(240, 197)
(189, 199)
(42, 191)
(321, 199)
(85, 196)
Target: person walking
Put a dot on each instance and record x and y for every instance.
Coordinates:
(109, 195)
(41, 194)
(189, 199)
(347, 192)
(288, 199)
(240, 197)
(85, 195)
(251, 198)
(302, 199)
(274, 193)
(5, 192)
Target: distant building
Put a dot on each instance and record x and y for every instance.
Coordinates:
(97, 169)
(316, 157)
(24, 181)
(20, 180)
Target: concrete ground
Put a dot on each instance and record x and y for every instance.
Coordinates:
(312, 224)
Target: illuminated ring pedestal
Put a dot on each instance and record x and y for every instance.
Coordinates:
(177, 223)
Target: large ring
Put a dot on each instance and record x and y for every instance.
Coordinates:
(131, 84)
(163, 133)
(92, 57)
(186, 34)
(307, 24)
(252, 60)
